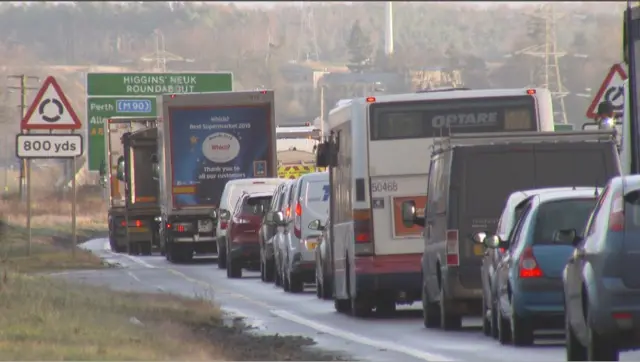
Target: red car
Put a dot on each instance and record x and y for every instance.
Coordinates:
(243, 248)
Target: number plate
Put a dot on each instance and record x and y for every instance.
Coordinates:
(138, 230)
(478, 249)
(311, 245)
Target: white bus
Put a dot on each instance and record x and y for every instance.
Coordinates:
(380, 149)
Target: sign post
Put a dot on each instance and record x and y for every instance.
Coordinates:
(612, 90)
(50, 111)
(134, 94)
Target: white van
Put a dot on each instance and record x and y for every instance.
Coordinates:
(308, 201)
(230, 196)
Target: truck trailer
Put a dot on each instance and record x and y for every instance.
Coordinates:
(131, 152)
(204, 141)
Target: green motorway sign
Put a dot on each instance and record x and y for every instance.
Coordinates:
(146, 84)
(134, 94)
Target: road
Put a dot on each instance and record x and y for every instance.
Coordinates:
(271, 310)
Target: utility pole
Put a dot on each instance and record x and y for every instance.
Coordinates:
(23, 88)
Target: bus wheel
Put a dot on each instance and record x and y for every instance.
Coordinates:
(360, 307)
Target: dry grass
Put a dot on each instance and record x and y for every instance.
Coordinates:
(44, 319)
(51, 212)
(51, 234)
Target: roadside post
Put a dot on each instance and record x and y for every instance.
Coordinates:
(49, 112)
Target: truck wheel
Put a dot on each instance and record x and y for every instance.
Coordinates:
(295, 283)
(360, 307)
(113, 244)
(234, 269)
(134, 248)
(146, 248)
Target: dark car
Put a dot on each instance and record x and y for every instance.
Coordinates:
(324, 266)
(510, 215)
(243, 248)
(528, 277)
(602, 277)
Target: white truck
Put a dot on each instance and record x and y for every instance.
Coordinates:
(204, 141)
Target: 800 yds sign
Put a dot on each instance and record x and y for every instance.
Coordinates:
(48, 145)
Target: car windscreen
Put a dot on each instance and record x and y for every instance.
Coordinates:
(256, 205)
(561, 215)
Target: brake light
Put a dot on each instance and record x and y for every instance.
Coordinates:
(453, 250)
(362, 232)
(287, 212)
(531, 92)
(180, 228)
(502, 250)
(123, 223)
(616, 216)
(223, 225)
(138, 223)
(296, 225)
(528, 265)
(168, 226)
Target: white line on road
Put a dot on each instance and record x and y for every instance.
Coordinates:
(137, 260)
(425, 356)
(134, 277)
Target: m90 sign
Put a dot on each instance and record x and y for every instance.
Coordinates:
(133, 106)
(48, 145)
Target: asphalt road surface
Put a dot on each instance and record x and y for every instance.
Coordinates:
(271, 310)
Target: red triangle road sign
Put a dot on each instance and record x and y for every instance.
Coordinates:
(50, 109)
(612, 89)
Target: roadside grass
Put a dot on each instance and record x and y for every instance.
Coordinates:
(51, 248)
(45, 319)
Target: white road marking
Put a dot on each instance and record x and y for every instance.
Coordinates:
(134, 277)
(425, 356)
(136, 260)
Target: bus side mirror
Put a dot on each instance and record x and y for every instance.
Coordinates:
(322, 155)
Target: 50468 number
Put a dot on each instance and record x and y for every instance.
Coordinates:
(385, 186)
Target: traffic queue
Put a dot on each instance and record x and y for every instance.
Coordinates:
(466, 201)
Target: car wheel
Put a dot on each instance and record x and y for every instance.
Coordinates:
(494, 319)
(486, 322)
(521, 330)
(574, 349)
(504, 328)
(600, 348)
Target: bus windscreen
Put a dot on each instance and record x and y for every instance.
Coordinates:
(439, 118)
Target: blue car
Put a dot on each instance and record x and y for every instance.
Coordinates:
(529, 286)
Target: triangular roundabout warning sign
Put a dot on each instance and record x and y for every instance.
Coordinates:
(50, 109)
(612, 90)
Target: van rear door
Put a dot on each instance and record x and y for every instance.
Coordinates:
(482, 179)
(575, 164)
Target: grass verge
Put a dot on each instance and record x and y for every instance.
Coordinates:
(42, 318)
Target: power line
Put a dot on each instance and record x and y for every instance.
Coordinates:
(547, 74)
